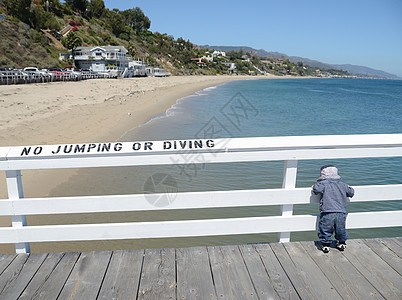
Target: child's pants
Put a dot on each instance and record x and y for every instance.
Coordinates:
(330, 223)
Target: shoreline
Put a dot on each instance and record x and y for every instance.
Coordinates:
(93, 117)
(99, 110)
(82, 112)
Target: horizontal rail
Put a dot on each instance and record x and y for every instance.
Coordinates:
(202, 151)
(142, 160)
(210, 227)
(190, 200)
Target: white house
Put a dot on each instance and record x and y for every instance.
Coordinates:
(218, 53)
(137, 68)
(207, 58)
(111, 59)
(231, 66)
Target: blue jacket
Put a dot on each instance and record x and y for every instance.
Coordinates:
(334, 195)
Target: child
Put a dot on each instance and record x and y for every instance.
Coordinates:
(334, 196)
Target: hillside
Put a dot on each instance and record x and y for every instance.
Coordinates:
(33, 33)
(352, 69)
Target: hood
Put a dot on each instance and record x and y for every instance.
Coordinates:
(328, 172)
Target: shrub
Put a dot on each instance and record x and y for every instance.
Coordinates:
(124, 36)
(53, 24)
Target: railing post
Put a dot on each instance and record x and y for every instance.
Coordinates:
(289, 182)
(15, 192)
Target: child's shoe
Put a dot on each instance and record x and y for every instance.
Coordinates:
(341, 246)
(325, 248)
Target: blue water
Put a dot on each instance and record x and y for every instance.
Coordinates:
(288, 107)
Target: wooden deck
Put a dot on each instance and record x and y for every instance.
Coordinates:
(367, 269)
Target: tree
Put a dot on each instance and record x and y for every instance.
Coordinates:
(97, 8)
(116, 22)
(136, 18)
(80, 5)
(19, 9)
(71, 41)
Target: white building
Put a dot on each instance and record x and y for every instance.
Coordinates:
(218, 53)
(207, 58)
(110, 59)
(137, 68)
(231, 66)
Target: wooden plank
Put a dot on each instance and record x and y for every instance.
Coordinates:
(258, 274)
(12, 271)
(123, 275)
(277, 275)
(393, 245)
(87, 275)
(230, 274)
(42, 275)
(194, 276)
(382, 249)
(346, 279)
(5, 260)
(303, 272)
(51, 285)
(17, 276)
(385, 279)
(158, 277)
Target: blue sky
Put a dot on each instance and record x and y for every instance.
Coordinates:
(367, 33)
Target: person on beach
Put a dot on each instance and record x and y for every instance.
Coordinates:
(334, 197)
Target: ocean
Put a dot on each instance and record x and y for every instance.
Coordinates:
(265, 107)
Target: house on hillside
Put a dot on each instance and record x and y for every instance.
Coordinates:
(218, 53)
(231, 66)
(109, 59)
(199, 61)
(208, 58)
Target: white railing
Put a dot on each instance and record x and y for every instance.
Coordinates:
(288, 149)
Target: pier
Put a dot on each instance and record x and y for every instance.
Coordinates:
(284, 270)
(367, 269)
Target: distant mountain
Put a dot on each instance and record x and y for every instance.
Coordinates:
(365, 71)
(353, 69)
(260, 52)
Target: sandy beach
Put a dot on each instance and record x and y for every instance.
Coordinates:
(99, 110)
(85, 111)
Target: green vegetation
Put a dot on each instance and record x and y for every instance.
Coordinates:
(71, 41)
(33, 35)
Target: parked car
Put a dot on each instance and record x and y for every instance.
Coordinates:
(77, 75)
(5, 71)
(37, 71)
(20, 73)
(57, 72)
